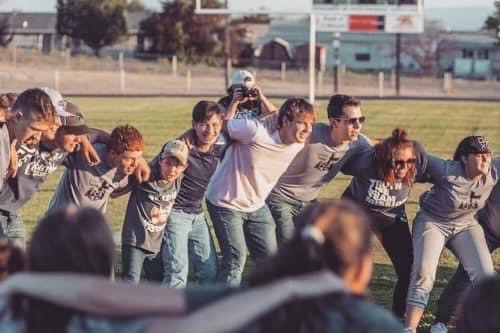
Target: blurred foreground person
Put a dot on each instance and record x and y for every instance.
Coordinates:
(479, 309)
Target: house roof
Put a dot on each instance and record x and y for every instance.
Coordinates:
(45, 23)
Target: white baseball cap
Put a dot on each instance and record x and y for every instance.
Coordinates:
(243, 77)
(58, 102)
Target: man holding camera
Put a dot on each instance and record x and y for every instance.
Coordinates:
(251, 102)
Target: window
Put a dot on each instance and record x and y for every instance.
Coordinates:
(467, 54)
(362, 56)
(483, 54)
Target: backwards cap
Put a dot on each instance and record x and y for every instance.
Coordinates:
(243, 77)
(474, 144)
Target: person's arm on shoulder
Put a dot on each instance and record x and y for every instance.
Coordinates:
(96, 295)
(13, 162)
(132, 181)
(142, 171)
(234, 312)
(435, 170)
(86, 145)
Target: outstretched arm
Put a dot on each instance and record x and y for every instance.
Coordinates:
(234, 312)
(96, 295)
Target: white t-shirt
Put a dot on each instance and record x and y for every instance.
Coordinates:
(251, 167)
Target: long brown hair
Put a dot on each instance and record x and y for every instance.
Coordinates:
(385, 151)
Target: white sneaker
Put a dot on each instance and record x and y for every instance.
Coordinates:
(439, 328)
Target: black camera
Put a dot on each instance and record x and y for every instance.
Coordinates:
(245, 92)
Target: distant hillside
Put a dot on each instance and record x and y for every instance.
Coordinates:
(460, 18)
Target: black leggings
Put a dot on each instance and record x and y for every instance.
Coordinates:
(397, 242)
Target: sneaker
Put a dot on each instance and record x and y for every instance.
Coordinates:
(439, 328)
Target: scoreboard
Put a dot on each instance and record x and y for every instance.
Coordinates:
(392, 16)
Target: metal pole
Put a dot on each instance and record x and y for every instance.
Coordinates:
(336, 49)
(227, 55)
(398, 63)
(312, 57)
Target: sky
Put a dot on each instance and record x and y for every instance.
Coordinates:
(49, 5)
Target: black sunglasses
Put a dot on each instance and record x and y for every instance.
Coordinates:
(353, 121)
(403, 163)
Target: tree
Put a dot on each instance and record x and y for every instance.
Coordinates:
(6, 35)
(178, 30)
(98, 23)
(136, 6)
(428, 49)
(493, 21)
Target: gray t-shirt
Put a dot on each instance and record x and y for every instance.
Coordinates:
(4, 151)
(147, 211)
(368, 189)
(454, 198)
(84, 185)
(317, 164)
(490, 214)
(35, 164)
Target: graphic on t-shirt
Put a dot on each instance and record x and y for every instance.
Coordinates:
(473, 202)
(158, 215)
(327, 164)
(40, 164)
(98, 191)
(246, 114)
(379, 194)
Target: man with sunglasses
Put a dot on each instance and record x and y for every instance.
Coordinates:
(328, 149)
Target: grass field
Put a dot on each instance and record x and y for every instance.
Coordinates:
(437, 125)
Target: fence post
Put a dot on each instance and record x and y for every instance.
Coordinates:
(447, 82)
(393, 79)
(174, 66)
(67, 55)
(283, 71)
(320, 80)
(14, 56)
(188, 80)
(56, 79)
(381, 84)
(122, 81)
(255, 74)
(120, 60)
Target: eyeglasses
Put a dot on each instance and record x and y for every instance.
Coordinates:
(352, 121)
(404, 163)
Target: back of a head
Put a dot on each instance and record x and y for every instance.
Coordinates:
(331, 234)
(72, 240)
(479, 310)
(34, 103)
(337, 104)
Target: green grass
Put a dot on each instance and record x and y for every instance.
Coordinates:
(438, 125)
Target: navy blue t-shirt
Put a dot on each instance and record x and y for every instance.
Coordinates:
(201, 167)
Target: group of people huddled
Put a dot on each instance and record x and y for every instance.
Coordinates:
(260, 171)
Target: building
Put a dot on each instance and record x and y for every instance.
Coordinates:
(38, 31)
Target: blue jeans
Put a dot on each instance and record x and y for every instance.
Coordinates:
(187, 243)
(12, 227)
(134, 259)
(284, 211)
(237, 230)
